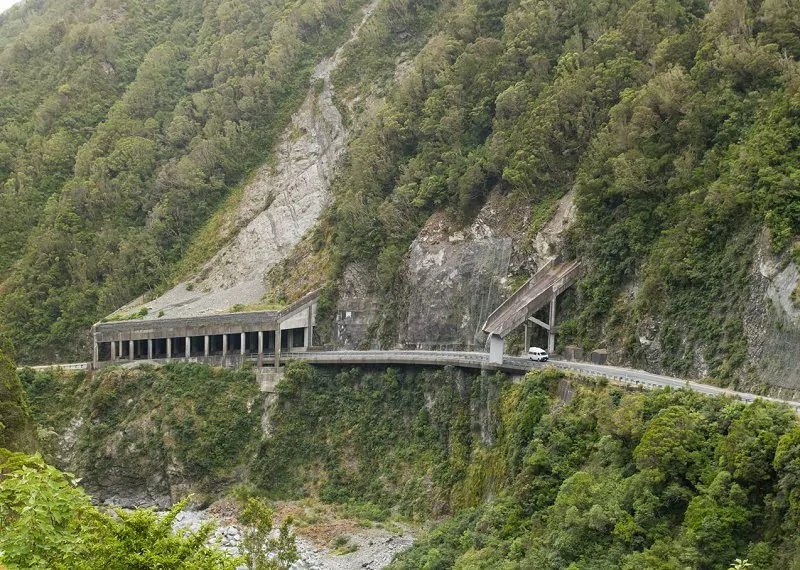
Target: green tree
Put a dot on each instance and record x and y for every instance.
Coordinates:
(17, 429)
(45, 519)
(261, 551)
(47, 522)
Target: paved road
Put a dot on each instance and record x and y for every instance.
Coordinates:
(479, 361)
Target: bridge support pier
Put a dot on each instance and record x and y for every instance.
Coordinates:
(260, 349)
(206, 345)
(551, 332)
(496, 347)
(113, 351)
(188, 347)
(131, 351)
(224, 345)
(169, 348)
(149, 349)
(242, 350)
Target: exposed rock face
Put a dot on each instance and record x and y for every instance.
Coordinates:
(284, 201)
(134, 471)
(356, 310)
(772, 322)
(456, 279)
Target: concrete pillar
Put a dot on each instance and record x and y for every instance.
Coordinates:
(244, 338)
(188, 347)
(113, 350)
(260, 349)
(527, 342)
(207, 349)
(278, 348)
(310, 328)
(95, 354)
(149, 349)
(169, 348)
(224, 345)
(131, 354)
(551, 334)
(496, 346)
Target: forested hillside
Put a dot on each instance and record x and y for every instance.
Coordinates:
(124, 126)
(549, 472)
(675, 123)
(17, 428)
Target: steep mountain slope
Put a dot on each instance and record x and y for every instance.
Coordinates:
(673, 122)
(659, 137)
(199, 93)
(276, 209)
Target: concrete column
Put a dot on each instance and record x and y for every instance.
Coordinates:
(310, 328)
(496, 346)
(149, 349)
(169, 348)
(260, 349)
(244, 338)
(131, 355)
(113, 350)
(224, 345)
(207, 349)
(278, 348)
(188, 347)
(95, 354)
(551, 334)
(527, 344)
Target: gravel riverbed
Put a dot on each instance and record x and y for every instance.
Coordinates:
(367, 548)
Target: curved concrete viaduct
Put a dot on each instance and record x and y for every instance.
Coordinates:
(480, 361)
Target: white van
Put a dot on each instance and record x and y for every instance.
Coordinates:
(537, 354)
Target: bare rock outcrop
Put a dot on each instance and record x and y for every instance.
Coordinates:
(772, 321)
(456, 279)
